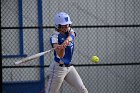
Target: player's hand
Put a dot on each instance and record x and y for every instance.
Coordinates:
(60, 50)
(65, 43)
(60, 47)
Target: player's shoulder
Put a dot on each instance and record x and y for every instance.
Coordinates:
(55, 34)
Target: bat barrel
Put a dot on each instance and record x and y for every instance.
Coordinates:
(32, 57)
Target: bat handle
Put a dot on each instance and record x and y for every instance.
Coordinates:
(18, 62)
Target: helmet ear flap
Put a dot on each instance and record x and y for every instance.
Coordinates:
(57, 26)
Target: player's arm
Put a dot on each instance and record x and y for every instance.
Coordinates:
(70, 38)
(60, 50)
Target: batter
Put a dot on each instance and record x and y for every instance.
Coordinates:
(62, 69)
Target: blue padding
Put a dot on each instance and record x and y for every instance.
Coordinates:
(72, 36)
(13, 56)
(27, 87)
(20, 18)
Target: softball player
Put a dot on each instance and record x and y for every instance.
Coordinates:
(62, 69)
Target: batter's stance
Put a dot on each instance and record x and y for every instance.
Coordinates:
(62, 69)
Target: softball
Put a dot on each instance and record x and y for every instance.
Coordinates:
(95, 59)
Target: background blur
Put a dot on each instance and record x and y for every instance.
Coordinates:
(109, 29)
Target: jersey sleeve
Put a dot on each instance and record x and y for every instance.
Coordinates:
(54, 38)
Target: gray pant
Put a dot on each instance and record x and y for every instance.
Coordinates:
(57, 74)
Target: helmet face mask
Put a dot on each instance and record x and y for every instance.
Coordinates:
(62, 19)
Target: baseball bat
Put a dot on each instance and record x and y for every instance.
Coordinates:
(33, 57)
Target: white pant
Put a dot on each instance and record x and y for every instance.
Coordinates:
(57, 74)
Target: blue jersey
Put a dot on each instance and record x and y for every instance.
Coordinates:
(60, 38)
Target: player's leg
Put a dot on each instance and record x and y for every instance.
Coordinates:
(74, 80)
(56, 77)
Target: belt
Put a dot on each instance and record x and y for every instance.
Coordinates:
(61, 64)
(65, 65)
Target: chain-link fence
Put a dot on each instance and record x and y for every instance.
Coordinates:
(109, 29)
